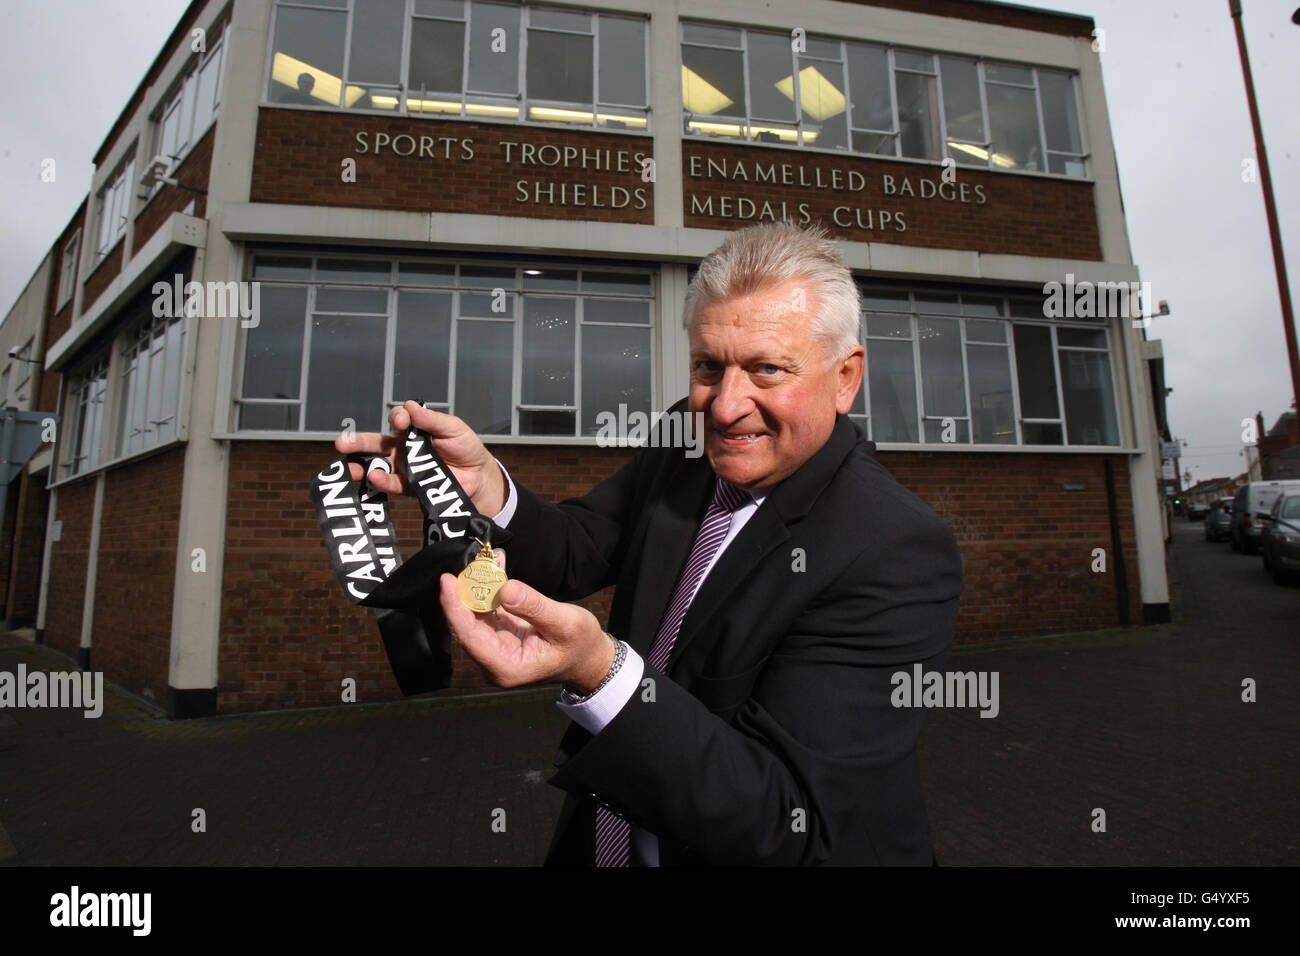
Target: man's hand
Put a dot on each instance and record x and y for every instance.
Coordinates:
(531, 639)
(466, 456)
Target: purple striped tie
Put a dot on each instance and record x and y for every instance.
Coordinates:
(613, 833)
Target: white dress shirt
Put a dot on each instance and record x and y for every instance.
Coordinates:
(595, 713)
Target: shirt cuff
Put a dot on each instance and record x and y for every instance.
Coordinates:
(502, 518)
(595, 713)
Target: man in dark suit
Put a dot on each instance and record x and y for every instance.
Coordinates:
(751, 722)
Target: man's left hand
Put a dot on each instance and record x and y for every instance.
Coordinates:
(530, 639)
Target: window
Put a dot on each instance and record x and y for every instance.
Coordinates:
(458, 58)
(192, 106)
(4, 384)
(113, 205)
(868, 98)
(68, 268)
(87, 395)
(512, 349)
(152, 359)
(965, 367)
(23, 359)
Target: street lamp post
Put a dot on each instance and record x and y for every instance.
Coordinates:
(1270, 210)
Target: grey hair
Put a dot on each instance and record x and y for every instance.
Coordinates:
(774, 253)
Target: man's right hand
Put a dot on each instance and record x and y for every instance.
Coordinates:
(466, 456)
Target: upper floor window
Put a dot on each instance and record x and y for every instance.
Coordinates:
(4, 384)
(462, 58)
(962, 367)
(23, 358)
(113, 205)
(87, 394)
(836, 94)
(192, 105)
(68, 268)
(512, 349)
(152, 359)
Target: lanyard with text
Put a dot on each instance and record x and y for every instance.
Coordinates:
(362, 545)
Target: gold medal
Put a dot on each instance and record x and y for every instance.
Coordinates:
(481, 582)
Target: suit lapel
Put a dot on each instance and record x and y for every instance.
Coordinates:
(671, 531)
(766, 529)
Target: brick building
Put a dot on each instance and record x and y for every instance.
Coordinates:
(496, 207)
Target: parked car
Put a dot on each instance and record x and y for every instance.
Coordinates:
(1252, 502)
(1281, 537)
(1218, 520)
(1196, 510)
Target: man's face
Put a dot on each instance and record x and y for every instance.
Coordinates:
(768, 391)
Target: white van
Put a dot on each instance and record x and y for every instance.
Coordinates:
(1253, 501)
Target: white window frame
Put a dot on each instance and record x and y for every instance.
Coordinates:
(68, 268)
(114, 208)
(88, 395)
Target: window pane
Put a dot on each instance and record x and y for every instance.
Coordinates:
(345, 375)
(424, 273)
(892, 326)
(495, 71)
(713, 81)
(1082, 338)
(979, 330)
(484, 355)
(420, 365)
(183, 135)
(615, 371)
(485, 306)
(268, 417)
(556, 19)
(616, 283)
(1066, 165)
(377, 42)
(551, 280)
(308, 62)
(441, 8)
(869, 87)
(943, 384)
(171, 392)
(622, 61)
(1040, 433)
(273, 347)
(437, 56)
(559, 67)
(884, 301)
(892, 377)
(992, 411)
(1034, 370)
(627, 311)
(981, 305)
(937, 302)
(821, 97)
(1089, 398)
(961, 101)
(714, 36)
(546, 423)
(1059, 112)
(353, 270)
(914, 61)
(1013, 128)
(487, 277)
(771, 77)
(273, 267)
(351, 300)
(209, 94)
(1006, 73)
(549, 335)
(952, 431)
(917, 119)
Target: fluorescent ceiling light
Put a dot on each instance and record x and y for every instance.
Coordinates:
(701, 96)
(1001, 160)
(819, 97)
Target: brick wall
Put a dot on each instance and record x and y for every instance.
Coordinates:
(136, 580)
(300, 154)
(194, 172)
(288, 634)
(864, 199)
(289, 637)
(104, 274)
(76, 504)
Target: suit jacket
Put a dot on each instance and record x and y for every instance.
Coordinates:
(771, 738)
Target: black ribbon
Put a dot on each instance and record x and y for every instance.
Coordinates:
(362, 545)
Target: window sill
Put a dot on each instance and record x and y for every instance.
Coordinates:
(484, 120)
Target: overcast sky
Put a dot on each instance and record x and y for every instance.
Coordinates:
(1177, 111)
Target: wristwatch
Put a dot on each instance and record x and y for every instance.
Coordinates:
(620, 654)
